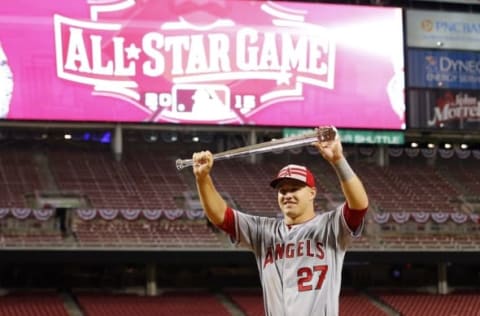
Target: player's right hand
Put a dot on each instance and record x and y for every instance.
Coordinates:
(330, 149)
(202, 163)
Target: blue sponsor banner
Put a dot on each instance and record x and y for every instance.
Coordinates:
(443, 69)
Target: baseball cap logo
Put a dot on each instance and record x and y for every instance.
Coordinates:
(295, 172)
(285, 172)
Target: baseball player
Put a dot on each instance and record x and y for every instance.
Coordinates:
(299, 256)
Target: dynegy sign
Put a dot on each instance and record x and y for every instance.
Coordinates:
(443, 69)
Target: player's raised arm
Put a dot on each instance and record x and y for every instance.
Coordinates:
(352, 187)
(212, 202)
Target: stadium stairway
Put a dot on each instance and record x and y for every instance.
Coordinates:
(230, 305)
(70, 304)
(374, 300)
(43, 169)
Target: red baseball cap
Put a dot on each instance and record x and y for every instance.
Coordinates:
(296, 172)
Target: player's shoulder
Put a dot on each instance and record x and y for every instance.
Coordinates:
(325, 213)
(263, 220)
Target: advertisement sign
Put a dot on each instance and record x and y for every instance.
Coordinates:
(444, 109)
(357, 136)
(443, 30)
(195, 62)
(443, 69)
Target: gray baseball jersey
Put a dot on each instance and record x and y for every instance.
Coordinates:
(300, 265)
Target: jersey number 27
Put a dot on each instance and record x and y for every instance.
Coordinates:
(307, 277)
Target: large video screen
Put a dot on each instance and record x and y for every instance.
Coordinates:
(255, 63)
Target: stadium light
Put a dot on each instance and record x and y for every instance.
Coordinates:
(169, 136)
(150, 136)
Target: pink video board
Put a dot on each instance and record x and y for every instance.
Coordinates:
(257, 63)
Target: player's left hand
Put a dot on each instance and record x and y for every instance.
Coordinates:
(330, 149)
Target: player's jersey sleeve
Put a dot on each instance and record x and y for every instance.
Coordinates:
(342, 231)
(247, 230)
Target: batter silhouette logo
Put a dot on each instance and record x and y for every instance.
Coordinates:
(6, 84)
(194, 61)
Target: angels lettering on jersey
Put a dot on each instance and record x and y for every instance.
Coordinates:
(308, 248)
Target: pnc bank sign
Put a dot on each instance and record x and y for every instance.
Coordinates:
(179, 68)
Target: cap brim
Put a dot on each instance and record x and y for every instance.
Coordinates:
(277, 181)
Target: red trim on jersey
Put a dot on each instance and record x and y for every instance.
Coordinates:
(353, 218)
(228, 224)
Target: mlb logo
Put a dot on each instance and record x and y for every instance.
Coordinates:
(200, 99)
